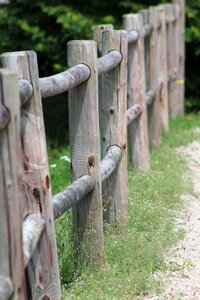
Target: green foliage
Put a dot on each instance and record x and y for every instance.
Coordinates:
(47, 26)
(132, 255)
(59, 164)
(192, 54)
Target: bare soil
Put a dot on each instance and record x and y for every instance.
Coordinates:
(182, 276)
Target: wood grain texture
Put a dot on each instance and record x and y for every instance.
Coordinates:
(110, 162)
(133, 112)
(154, 109)
(163, 76)
(108, 61)
(97, 31)
(138, 132)
(11, 254)
(171, 59)
(180, 23)
(62, 82)
(113, 124)
(85, 153)
(72, 194)
(42, 269)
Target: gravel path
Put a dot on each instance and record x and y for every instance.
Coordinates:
(182, 280)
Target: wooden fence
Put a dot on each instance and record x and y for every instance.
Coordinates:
(143, 63)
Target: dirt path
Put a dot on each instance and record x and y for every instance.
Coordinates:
(182, 280)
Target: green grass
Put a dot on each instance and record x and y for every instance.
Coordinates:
(132, 256)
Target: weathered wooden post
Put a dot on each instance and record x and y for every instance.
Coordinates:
(171, 58)
(43, 273)
(12, 274)
(97, 31)
(154, 115)
(163, 76)
(138, 130)
(113, 124)
(85, 152)
(180, 31)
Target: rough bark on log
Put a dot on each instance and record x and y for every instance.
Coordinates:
(71, 195)
(133, 112)
(62, 82)
(110, 161)
(108, 61)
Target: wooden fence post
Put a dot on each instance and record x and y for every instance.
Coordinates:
(171, 58)
(180, 27)
(154, 115)
(85, 152)
(43, 273)
(163, 76)
(113, 124)
(97, 34)
(138, 130)
(12, 280)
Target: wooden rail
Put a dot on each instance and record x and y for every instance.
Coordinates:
(130, 89)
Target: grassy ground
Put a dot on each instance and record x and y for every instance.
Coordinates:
(131, 256)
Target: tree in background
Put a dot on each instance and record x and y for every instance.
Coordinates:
(46, 26)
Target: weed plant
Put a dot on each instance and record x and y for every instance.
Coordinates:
(132, 255)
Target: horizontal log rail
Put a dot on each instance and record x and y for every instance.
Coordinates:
(108, 61)
(110, 161)
(33, 226)
(133, 112)
(68, 197)
(133, 36)
(71, 195)
(4, 117)
(149, 97)
(148, 28)
(6, 288)
(25, 91)
(62, 82)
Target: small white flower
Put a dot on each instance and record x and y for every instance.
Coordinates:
(66, 158)
(53, 166)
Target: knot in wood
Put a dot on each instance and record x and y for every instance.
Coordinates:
(112, 110)
(36, 194)
(91, 161)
